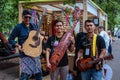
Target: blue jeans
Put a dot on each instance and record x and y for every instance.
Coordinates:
(25, 76)
(110, 49)
(92, 74)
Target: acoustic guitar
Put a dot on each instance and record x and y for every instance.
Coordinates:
(85, 64)
(33, 45)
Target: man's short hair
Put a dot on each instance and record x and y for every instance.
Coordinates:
(58, 20)
(26, 12)
(90, 21)
(101, 27)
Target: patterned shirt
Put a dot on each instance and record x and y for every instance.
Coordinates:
(30, 65)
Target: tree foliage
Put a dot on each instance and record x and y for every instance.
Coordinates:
(112, 8)
(8, 14)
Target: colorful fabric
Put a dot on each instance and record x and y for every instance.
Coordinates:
(30, 65)
(51, 43)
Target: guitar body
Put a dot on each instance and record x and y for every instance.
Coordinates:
(33, 47)
(83, 65)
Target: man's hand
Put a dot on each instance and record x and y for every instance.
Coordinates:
(19, 47)
(71, 38)
(76, 61)
(48, 65)
(42, 33)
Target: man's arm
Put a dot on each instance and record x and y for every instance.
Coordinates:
(15, 33)
(72, 45)
(80, 54)
(102, 47)
(102, 54)
(47, 57)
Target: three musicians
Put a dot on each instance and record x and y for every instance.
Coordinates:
(31, 66)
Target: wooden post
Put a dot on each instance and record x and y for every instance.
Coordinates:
(20, 8)
(106, 23)
(85, 13)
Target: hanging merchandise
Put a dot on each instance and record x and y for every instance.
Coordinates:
(35, 17)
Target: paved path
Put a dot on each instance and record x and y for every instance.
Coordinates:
(9, 70)
(115, 63)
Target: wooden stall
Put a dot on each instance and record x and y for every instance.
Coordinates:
(54, 10)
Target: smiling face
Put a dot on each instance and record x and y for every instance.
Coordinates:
(26, 19)
(59, 27)
(89, 27)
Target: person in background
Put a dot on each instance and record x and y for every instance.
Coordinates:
(29, 65)
(105, 36)
(44, 44)
(43, 54)
(53, 41)
(118, 34)
(110, 43)
(87, 49)
(77, 43)
(106, 68)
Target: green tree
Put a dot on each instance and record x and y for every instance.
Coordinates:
(112, 8)
(8, 14)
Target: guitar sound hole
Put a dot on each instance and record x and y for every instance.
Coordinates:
(35, 38)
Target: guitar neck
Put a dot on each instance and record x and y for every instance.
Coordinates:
(95, 61)
(100, 59)
(40, 23)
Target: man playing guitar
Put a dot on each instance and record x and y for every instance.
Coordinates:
(29, 65)
(91, 47)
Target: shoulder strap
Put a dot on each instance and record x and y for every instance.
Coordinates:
(94, 44)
